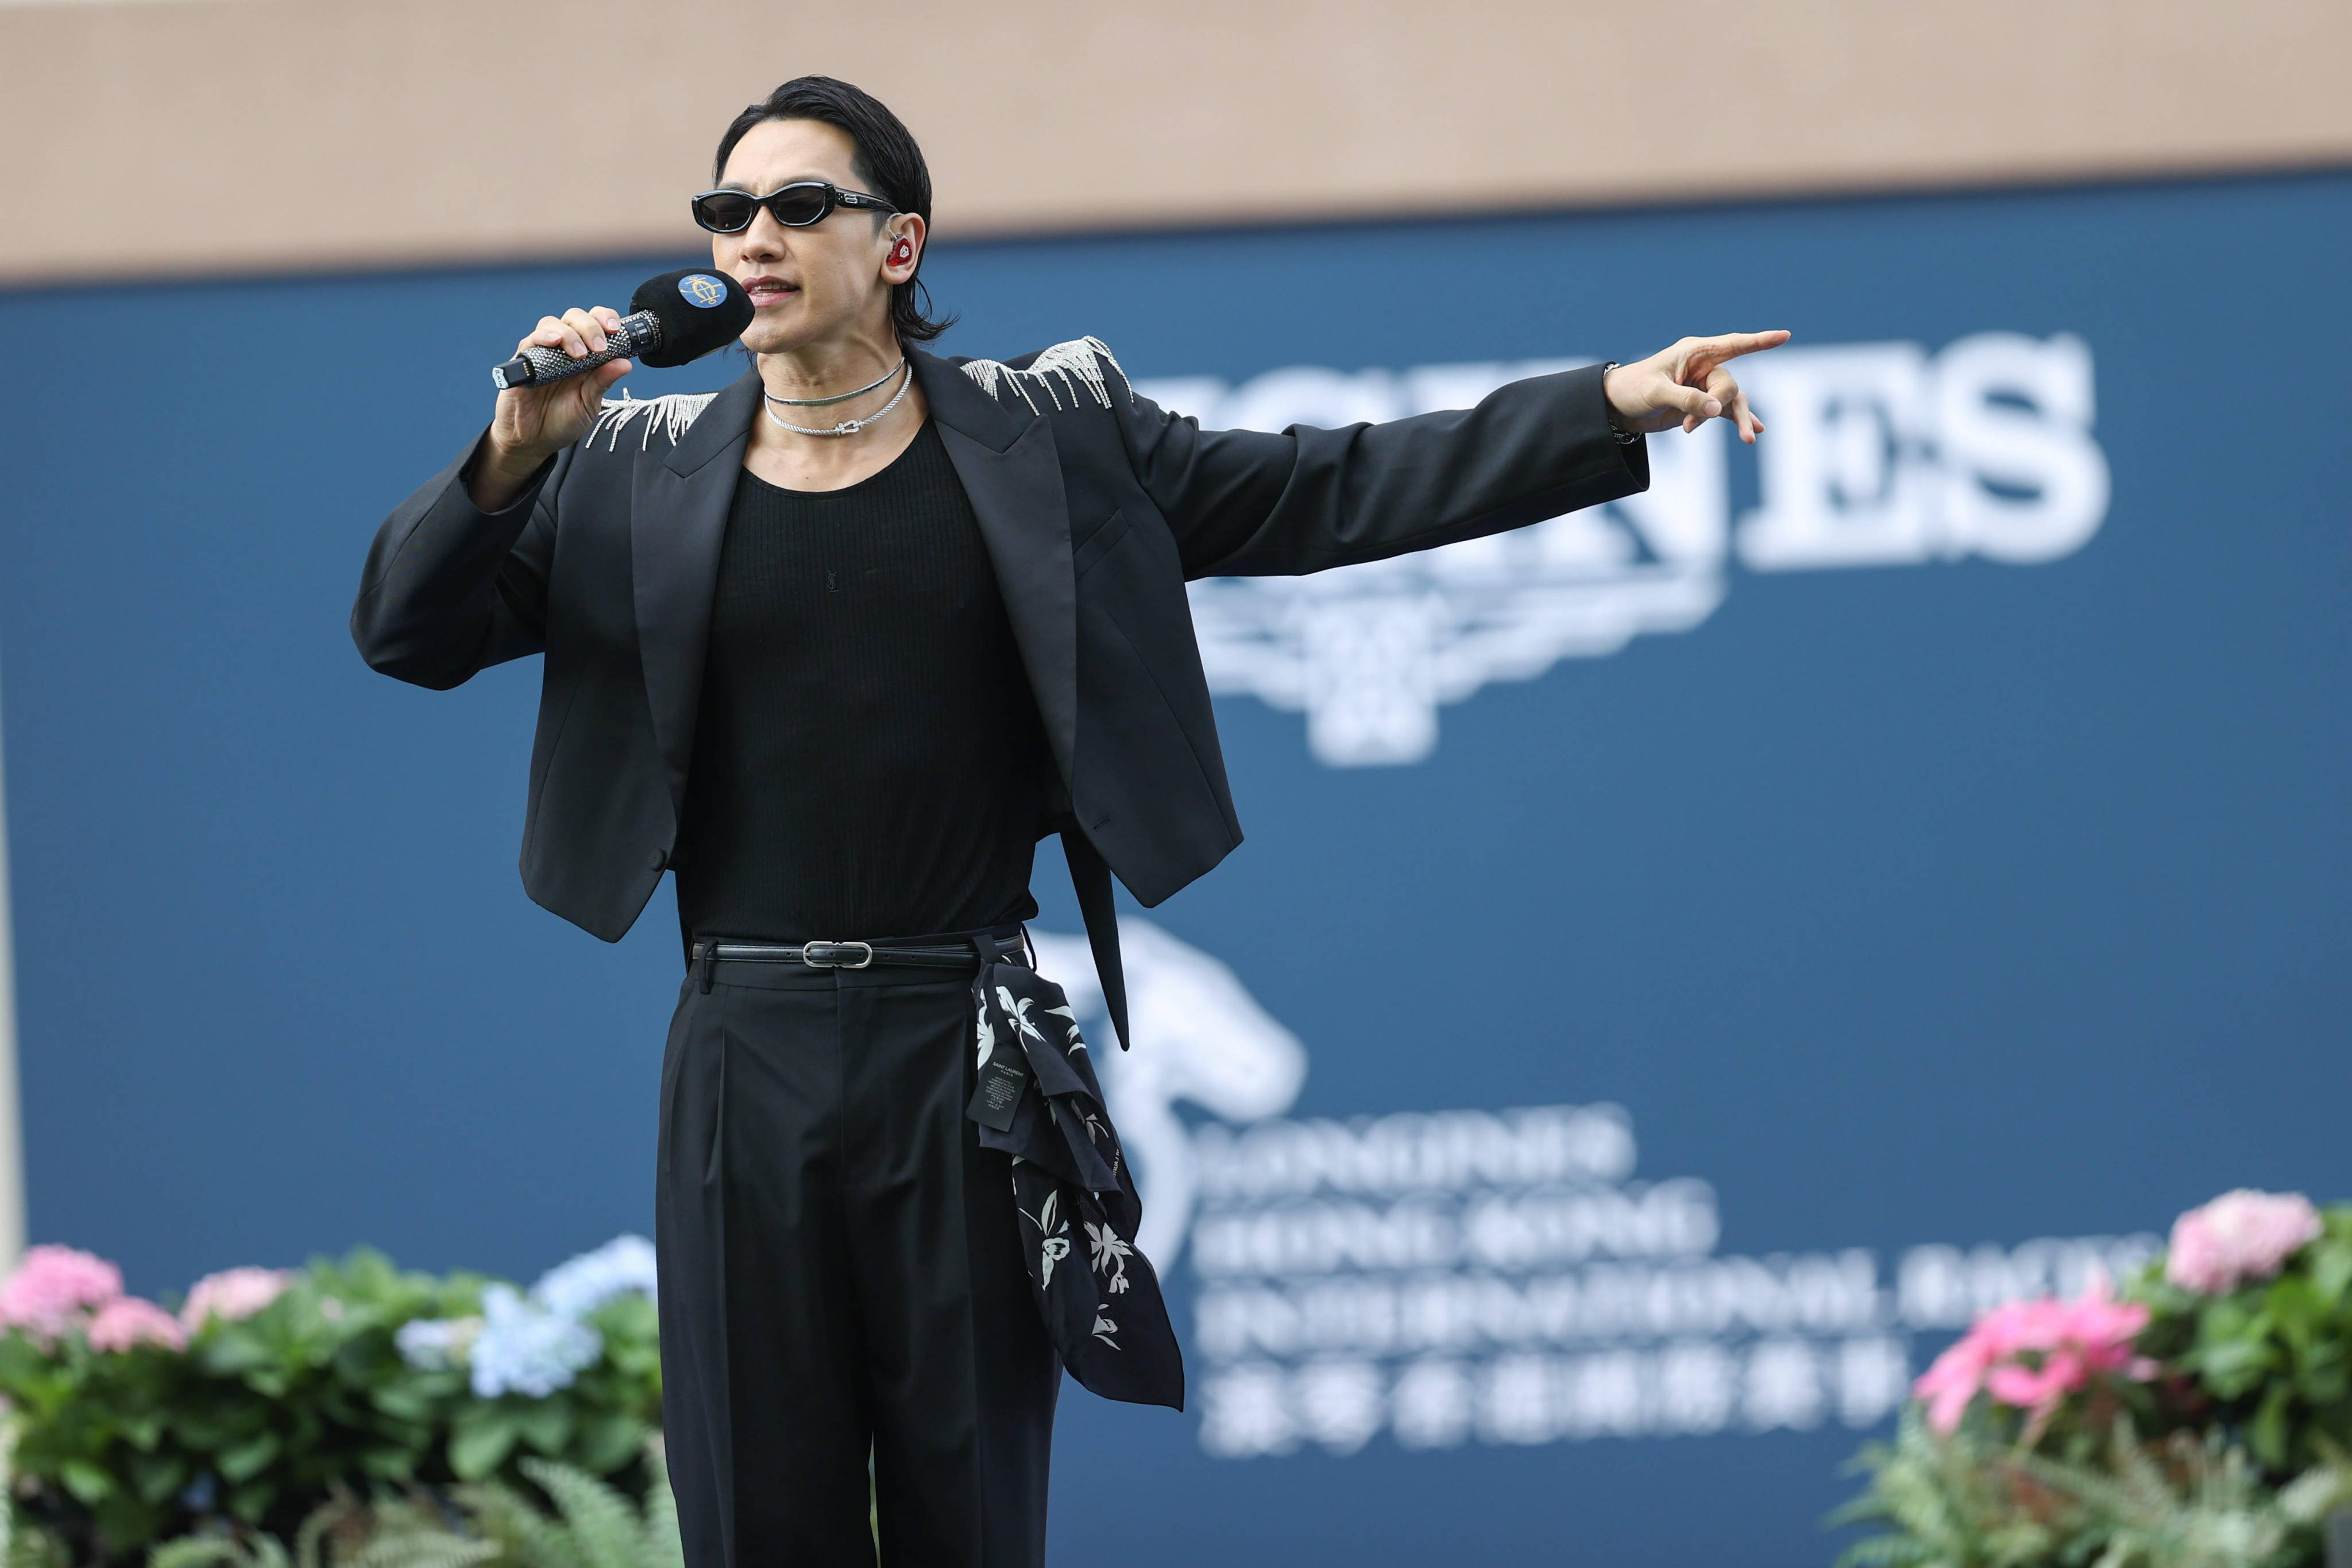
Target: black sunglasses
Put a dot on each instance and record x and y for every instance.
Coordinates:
(796, 205)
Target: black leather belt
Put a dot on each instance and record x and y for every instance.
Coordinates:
(838, 954)
(953, 951)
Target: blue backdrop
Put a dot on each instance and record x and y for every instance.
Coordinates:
(1902, 913)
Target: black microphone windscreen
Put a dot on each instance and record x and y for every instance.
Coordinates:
(699, 310)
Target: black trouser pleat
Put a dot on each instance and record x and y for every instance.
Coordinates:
(840, 1277)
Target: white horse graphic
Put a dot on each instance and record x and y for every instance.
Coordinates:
(1199, 1035)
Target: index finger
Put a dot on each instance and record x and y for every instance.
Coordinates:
(1731, 345)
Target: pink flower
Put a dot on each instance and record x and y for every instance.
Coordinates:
(2037, 1387)
(2033, 1354)
(1953, 1379)
(127, 1321)
(2238, 1236)
(51, 1287)
(232, 1294)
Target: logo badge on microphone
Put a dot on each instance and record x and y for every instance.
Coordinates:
(702, 289)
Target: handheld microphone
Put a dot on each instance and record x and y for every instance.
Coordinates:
(677, 316)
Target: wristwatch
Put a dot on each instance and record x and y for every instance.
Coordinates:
(1624, 438)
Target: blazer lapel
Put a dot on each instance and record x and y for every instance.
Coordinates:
(677, 523)
(1013, 474)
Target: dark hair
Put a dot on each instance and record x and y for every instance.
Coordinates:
(886, 161)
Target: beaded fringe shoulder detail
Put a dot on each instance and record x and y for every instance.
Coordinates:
(672, 414)
(1082, 362)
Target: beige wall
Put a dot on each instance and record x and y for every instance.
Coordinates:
(209, 135)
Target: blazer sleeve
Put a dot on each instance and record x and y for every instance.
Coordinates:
(1243, 503)
(450, 589)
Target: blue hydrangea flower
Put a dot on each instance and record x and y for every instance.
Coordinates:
(533, 1344)
(578, 1287)
(435, 1344)
(524, 1348)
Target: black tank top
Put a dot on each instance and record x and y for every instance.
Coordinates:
(867, 757)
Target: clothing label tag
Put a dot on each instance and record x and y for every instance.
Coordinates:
(1002, 1079)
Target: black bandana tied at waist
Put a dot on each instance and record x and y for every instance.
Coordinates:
(1039, 1102)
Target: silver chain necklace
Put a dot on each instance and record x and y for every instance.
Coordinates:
(848, 427)
(837, 397)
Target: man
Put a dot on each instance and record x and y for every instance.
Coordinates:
(838, 644)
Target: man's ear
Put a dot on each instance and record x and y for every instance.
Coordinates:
(906, 243)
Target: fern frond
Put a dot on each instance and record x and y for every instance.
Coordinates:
(526, 1536)
(196, 1551)
(603, 1524)
(413, 1532)
(664, 1549)
(439, 1549)
(593, 1525)
(310, 1537)
(2319, 1491)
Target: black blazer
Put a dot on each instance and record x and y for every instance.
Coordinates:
(1096, 506)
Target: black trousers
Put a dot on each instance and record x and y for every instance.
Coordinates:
(840, 1277)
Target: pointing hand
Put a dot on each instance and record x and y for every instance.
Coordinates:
(1687, 385)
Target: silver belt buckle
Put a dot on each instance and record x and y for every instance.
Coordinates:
(834, 955)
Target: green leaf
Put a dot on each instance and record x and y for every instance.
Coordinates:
(88, 1483)
(159, 1475)
(2293, 1306)
(365, 1358)
(21, 1361)
(124, 1522)
(2233, 1367)
(407, 1400)
(547, 1424)
(205, 1430)
(233, 1349)
(2331, 1271)
(251, 1500)
(2320, 1371)
(606, 1442)
(2267, 1431)
(367, 1275)
(479, 1440)
(2227, 1318)
(249, 1458)
(414, 1435)
(144, 1428)
(628, 1316)
(390, 1463)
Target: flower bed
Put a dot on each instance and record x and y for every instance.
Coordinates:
(2201, 1419)
(268, 1396)
(2198, 1417)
